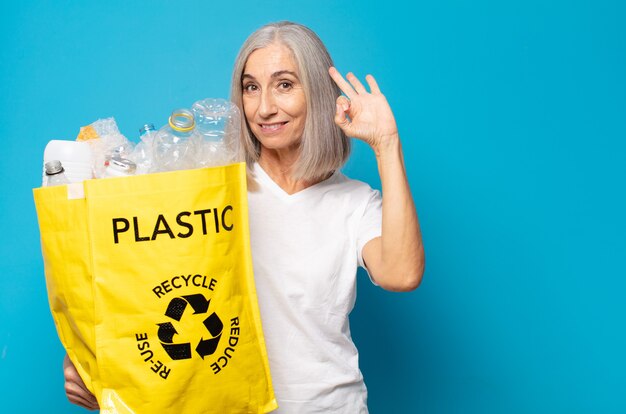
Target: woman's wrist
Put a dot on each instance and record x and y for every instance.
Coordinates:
(387, 145)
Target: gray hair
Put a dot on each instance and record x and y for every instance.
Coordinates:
(324, 147)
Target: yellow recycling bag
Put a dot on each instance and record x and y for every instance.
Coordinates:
(176, 325)
(65, 245)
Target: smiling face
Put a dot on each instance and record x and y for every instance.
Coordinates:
(274, 102)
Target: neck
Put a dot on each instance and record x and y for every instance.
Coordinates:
(280, 166)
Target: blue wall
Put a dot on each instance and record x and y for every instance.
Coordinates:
(513, 119)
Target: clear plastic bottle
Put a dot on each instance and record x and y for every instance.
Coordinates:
(146, 133)
(106, 141)
(143, 154)
(176, 144)
(55, 174)
(219, 123)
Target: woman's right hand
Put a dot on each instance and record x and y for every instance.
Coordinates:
(75, 388)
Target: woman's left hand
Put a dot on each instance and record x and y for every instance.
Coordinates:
(362, 114)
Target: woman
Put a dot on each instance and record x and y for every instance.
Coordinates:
(311, 226)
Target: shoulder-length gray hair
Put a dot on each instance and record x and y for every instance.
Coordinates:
(324, 147)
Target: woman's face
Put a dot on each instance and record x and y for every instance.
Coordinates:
(273, 98)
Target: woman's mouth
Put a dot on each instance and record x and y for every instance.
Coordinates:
(272, 127)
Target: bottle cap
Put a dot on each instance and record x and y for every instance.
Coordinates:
(182, 120)
(122, 165)
(53, 167)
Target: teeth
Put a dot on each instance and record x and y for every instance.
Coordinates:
(272, 127)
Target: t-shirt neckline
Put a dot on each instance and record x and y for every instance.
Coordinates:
(282, 194)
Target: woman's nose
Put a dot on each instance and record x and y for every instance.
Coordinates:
(268, 105)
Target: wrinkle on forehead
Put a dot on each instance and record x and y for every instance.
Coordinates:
(269, 60)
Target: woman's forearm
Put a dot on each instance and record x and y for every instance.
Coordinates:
(397, 257)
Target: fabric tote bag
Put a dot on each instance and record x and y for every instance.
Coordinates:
(151, 288)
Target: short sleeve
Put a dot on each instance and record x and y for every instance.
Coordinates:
(370, 225)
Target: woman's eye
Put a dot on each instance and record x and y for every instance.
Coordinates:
(249, 87)
(285, 85)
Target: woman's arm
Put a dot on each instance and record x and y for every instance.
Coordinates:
(396, 259)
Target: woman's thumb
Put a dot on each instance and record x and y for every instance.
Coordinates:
(342, 106)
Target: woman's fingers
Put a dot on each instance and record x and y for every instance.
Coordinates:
(342, 83)
(354, 86)
(372, 84)
(356, 83)
(343, 105)
(75, 388)
(71, 374)
(76, 395)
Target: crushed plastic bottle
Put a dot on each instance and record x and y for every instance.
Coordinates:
(176, 144)
(218, 121)
(143, 154)
(206, 135)
(106, 141)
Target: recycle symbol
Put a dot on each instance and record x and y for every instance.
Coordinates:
(175, 310)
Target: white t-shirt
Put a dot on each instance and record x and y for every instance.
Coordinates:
(305, 249)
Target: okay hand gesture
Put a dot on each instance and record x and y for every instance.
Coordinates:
(362, 114)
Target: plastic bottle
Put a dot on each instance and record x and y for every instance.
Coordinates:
(219, 123)
(146, 132)
(106, 141)
(143, 154)
(55, 174)
(176, 144)
(76, 157)
(120, 167)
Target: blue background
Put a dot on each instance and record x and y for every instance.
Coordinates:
(513, 121)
